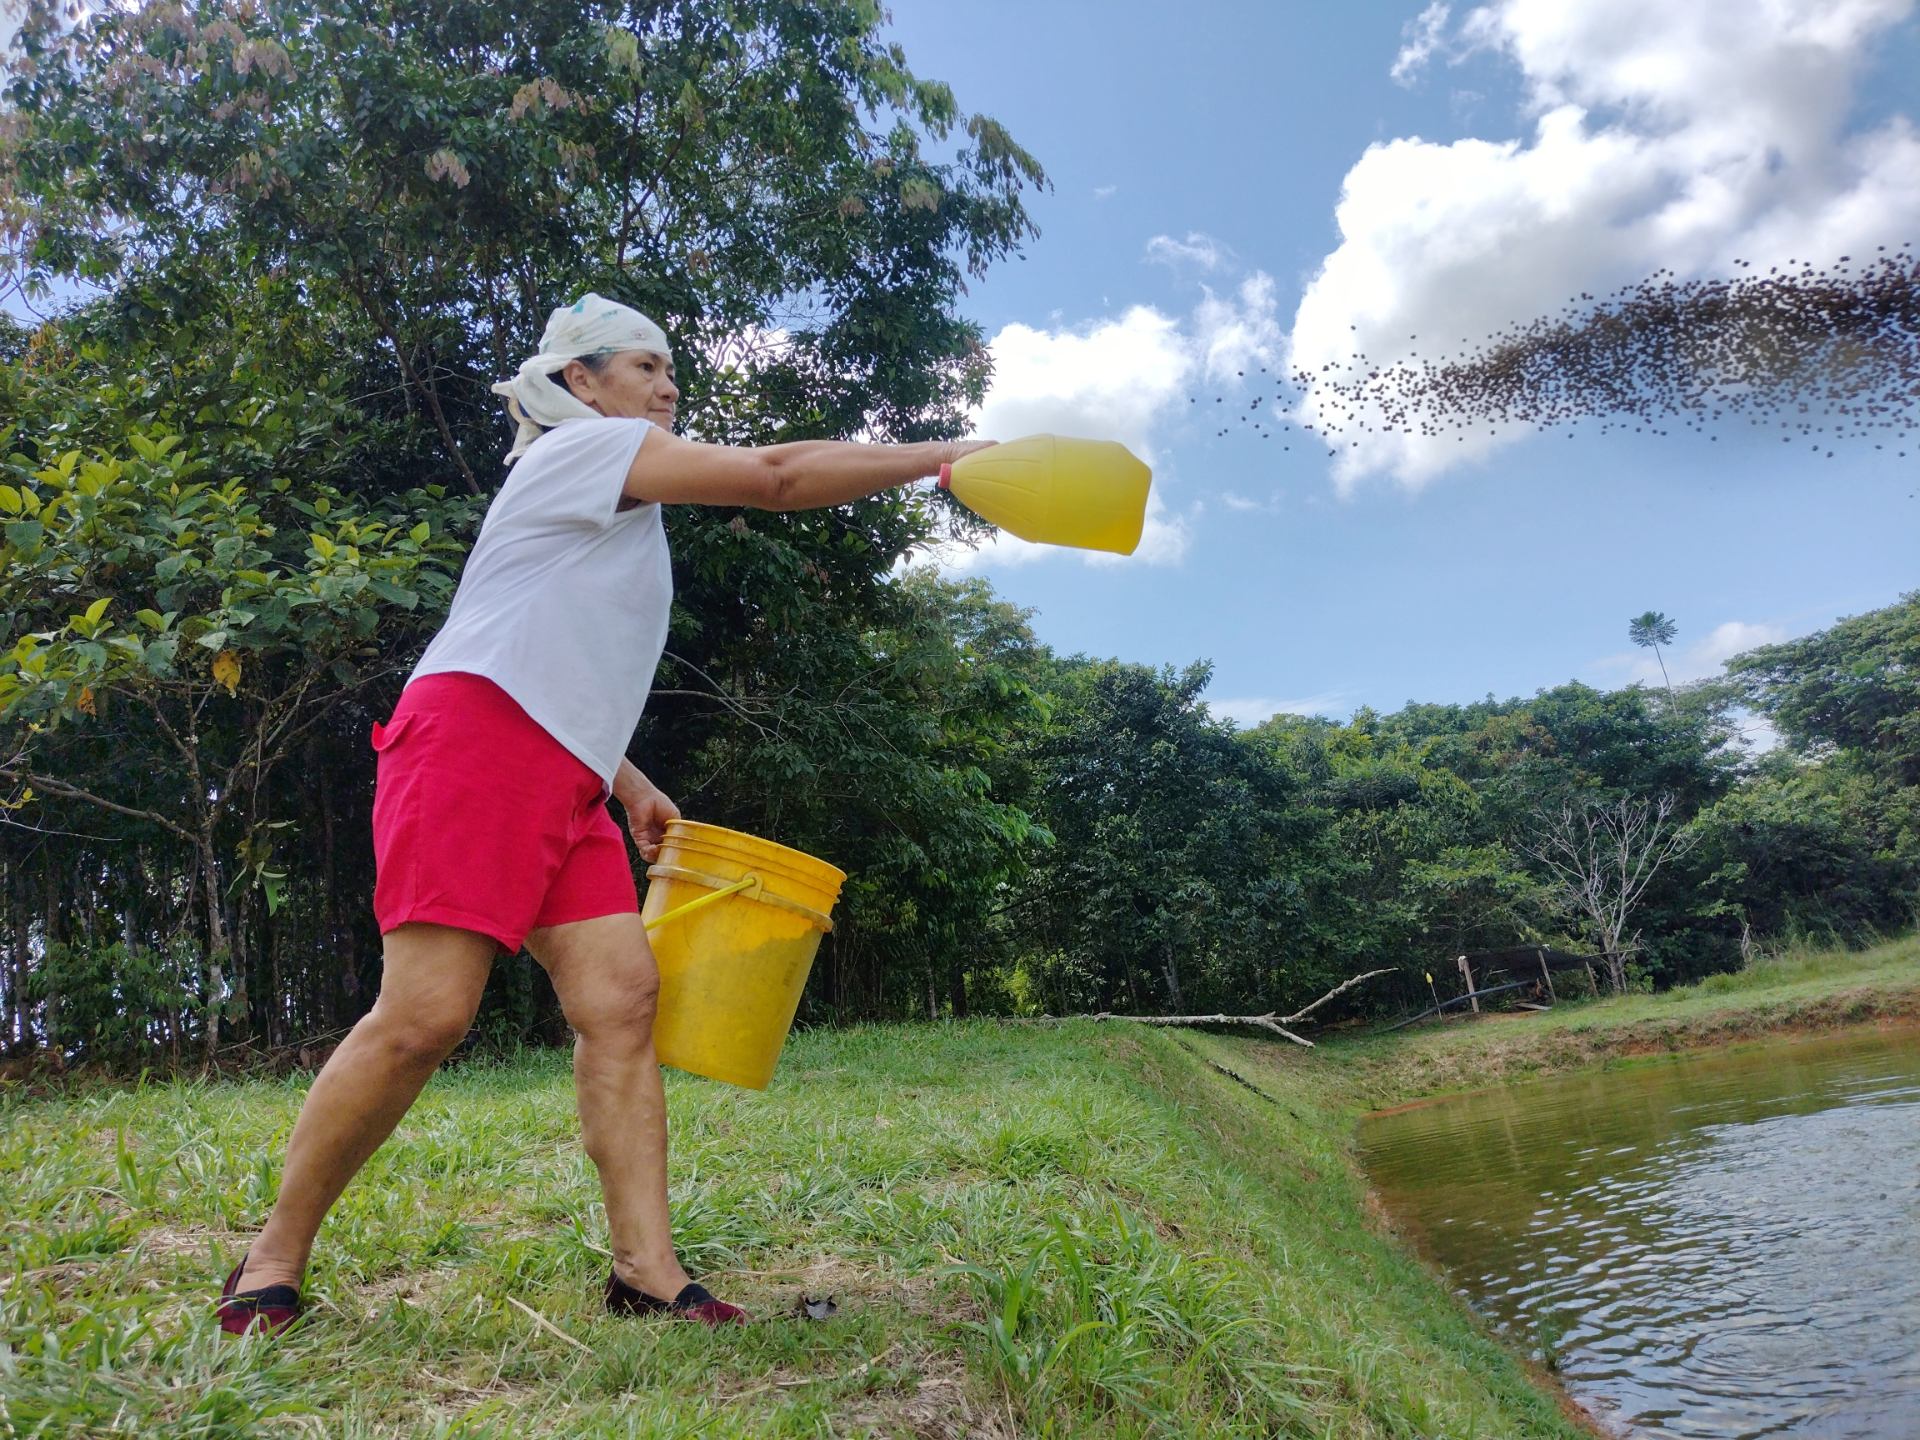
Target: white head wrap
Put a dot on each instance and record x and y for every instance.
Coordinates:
(592, 325)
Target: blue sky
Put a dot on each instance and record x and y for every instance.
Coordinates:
(1496, 161)
(1242, 182)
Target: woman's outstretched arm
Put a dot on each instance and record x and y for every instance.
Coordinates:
(801, 475)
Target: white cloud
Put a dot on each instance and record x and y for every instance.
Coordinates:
(1663, 134)
(1249, 711)
(1122, 379)
(1000, 550)
(1423, 34)
(1734, 637)
(1108, 379)
(1198, 250)
(1239, 331)
(1698, 661)
(1105, 192)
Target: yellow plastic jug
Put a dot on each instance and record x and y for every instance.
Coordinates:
(1091, 494)
(735, 922)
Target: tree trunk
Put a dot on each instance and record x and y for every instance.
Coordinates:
(240, 960)
(1616, 960)
(20, 928)
(86, 902)
(1617, 969)
(279, 1002)
(217, 949)
(163, 885)
(1172, 970)
(55, 933)
(340, 968)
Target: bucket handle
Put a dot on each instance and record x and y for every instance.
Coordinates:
(823, 923)
(750, 882)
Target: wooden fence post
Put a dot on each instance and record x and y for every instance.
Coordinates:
(1545, 973)
(1467, 971)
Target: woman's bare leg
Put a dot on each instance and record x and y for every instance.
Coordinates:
(429, 990)
(604, 974)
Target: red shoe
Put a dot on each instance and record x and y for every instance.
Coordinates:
(692, 1303)
(269, 1310)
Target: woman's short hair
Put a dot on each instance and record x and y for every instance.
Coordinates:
(594, 363)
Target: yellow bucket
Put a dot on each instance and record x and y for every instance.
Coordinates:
(735, 922)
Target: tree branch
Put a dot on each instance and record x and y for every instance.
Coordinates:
(1265, 1022)
(1340, 989)
(74, 792)
(1272, 1020)
(427, 392)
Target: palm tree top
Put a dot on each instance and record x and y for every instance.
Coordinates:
(1651, 629)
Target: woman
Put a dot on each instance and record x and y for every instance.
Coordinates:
(490, 824)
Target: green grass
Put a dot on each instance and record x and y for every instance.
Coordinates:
(1081, 1230)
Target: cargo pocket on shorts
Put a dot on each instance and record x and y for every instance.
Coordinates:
(387, 735)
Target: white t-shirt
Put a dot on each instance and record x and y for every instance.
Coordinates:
(564, 599)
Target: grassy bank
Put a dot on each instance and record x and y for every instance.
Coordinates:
(1805, 990)
(1089, 1230)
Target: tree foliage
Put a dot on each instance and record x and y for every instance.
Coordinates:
(314, 235)
(237, 481)
(1650, 630)
(766, 178)
(1854, 687)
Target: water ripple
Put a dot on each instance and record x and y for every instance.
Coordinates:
(1719, 1246)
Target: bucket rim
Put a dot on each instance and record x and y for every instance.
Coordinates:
(822, 880)
(815, 881)
(738, 844)
(760, 894)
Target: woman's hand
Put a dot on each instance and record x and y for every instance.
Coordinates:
(647, 806)
(967, 447)
(647, 817)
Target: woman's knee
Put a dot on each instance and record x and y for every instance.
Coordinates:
(430, 988)
(421, 1034)
(621, 1008)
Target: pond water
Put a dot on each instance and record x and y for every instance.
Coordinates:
(1718, 1245)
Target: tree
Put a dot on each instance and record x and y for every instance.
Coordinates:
(314, 233)
(756, 175)
(1826, 849)
(1618, 742)
(1650, 631)
(227, 624)
(1405, 860)
(1853, 686)
(879, 738)
(1175, 879)
(1602, 855)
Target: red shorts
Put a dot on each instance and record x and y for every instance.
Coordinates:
(484, 821)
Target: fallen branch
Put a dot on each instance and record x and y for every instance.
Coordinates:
(1272, 1020)
(1265, 1022)
(1340, 989)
